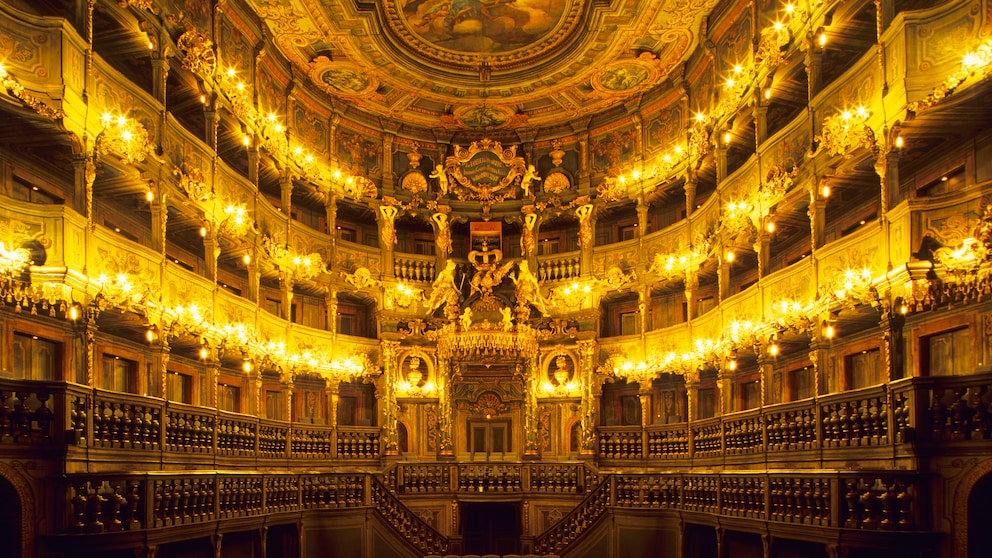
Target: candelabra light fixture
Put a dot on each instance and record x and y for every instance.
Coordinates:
(125, 137)
(300, 266)
(574, 295)
(13, 259)
(846, 131)
(121, 290)
(235, 220)
(403, 295)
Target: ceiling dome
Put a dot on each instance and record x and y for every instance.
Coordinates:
(484, 64)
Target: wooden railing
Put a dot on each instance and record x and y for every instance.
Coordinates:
(913, 413)
(436, 478)
(559, 267)
(408, 524)
(411, 267)
(862, 500)
(101, 503)
(54, 414)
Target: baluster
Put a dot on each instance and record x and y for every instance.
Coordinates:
(870, 503)
(78, 502)
(94, 509)
(852, 497)
(113, 508)
(904, 501)
(131, 512)
(938, 417)
(959, 415)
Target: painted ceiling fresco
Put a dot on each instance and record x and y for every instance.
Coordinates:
(473, 64)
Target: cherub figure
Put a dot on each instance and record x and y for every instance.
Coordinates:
(466, 319)
(529, 176)
(442, 179)
(507, 320)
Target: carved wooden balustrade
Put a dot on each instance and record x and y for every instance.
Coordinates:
(121, 421)
(570, 527)
(434, 478)
(670, 441)
(42, 413)
(489, 478)
(864, 418)
(620, 442)
(358, 442)
(410, 267)
(131, 502)
(559, 267)
(407, 523)
(863, 500)
(50, 414)
(954, 412)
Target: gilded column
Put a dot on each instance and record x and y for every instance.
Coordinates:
(390, 409)
(286, 194)
(160, 218)
(691, 286)
(532, 445)
(331, 212)
(159, 369)
(721, 162)
(331, 304)
(590, 396)
(255, 388)
(445, 410)
(211, 250)
(254, 278)
(690, 196)
(818, 212)
(286, 289)
(211, 367)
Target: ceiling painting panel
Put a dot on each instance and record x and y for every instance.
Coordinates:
(484, 64)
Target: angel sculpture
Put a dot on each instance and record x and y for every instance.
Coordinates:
(466, 319)
(507, 320)
(442, 179)
(529, 176)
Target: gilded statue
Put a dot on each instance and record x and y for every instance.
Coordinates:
(443, 290)
(507, 320)
(584, 213)
(528, 291)
(442, 179)
(529, 176)
(443, 239)
(388, 233)
(528, 243)
(489, 277)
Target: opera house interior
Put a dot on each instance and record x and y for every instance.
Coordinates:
(572, 278)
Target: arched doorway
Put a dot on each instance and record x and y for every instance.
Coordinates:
(979, 518)
(491, 527)
(10, 519)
